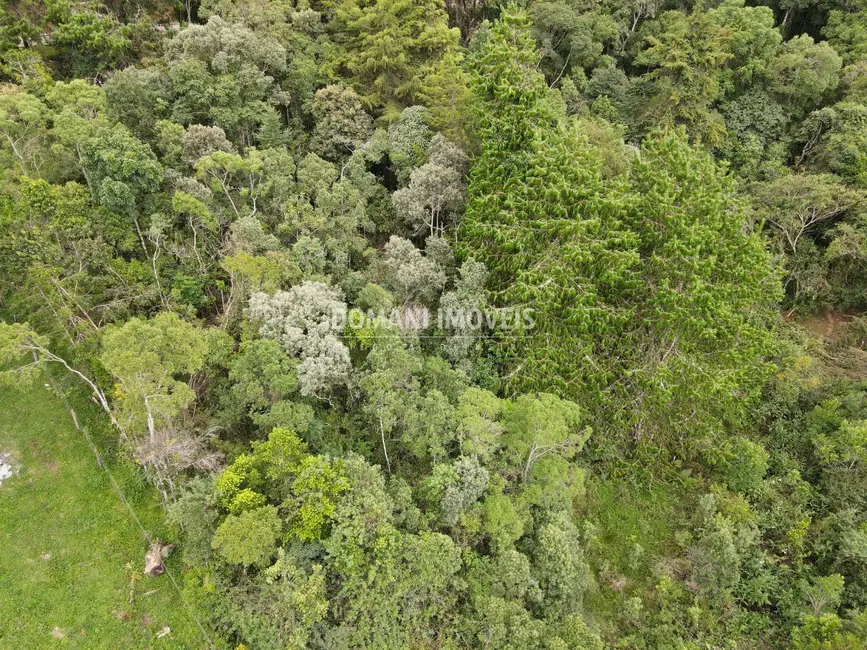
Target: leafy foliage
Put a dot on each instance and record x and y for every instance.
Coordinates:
(461, 324)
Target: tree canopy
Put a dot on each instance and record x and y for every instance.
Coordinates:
(464, 324)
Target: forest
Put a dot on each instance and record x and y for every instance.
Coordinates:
(460, 324)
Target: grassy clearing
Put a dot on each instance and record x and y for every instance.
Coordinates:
(69, 548)
(636, 528)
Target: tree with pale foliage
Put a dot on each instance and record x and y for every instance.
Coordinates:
(305, 321)
(436, 190)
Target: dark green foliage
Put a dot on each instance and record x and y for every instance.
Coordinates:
(684, 57)
(248, 538)
(708, 292)
(389, 49)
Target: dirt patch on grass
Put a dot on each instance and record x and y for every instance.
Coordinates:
(7, 469)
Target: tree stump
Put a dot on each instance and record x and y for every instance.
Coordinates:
(157, 552)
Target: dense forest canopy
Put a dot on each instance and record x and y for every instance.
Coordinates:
(465, 324)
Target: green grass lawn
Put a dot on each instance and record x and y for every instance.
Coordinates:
(68, 545)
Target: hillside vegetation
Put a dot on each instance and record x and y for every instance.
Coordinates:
(448, 324)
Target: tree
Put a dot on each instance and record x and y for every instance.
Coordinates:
(436, 189)
(316, 486)
(755, 123)
(501, 521)
(446, 93)
(122, 172)
(795, 207)
(468, 297)
(503, 624)
(146, 357)
(194, 511)
(834, 141)
(410, 275)
(223, 74)
(804, 71)
(138, 98)
(846, 447)
(280, 470)
(303, 321)
(341, 123)
(280, 607)
(540, 220)
(569, 36)
(430, 428)
(79, 109)
(90, 41)
(686, 57)
(536, 426)
(262, 472)
(467, 14)
(559, 564)
(389, 385)
(412, 587)
(717, 555)
(261, 376)
(389, 47)
(23, 122)
(751, 39)
(58, 249)
(298, 29)
(821, 632)
(846, 31)
(479, 428)
(23, 351)
(249, 539)
(409, 138)
(239, 181)
(199, 141)
(709, 293)
(455, 487)
(430, 586)
(334, 206)
(248, 234)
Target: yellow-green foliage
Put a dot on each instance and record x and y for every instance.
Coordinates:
(281, 472)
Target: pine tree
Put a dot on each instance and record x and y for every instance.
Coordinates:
(541, 221)
(708, 291)
(651, 303)
(390, 47)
